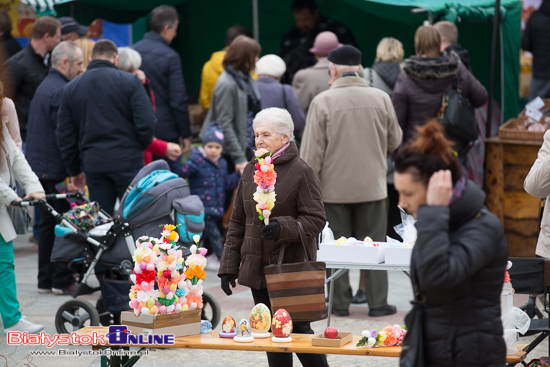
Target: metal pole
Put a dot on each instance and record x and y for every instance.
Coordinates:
(255, 21)
(494, 45)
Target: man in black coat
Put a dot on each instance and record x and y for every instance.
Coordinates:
(299, 39)
(535, 40)
(45, 160)
(25, 70)
(105, 122)
(162, 65)
(449, 41)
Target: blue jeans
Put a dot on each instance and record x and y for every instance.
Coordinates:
(104, 187)
(212, 232)
(9, 305)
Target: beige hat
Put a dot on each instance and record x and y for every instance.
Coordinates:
(271, 65)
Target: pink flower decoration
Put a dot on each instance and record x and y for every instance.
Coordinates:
(203, 251)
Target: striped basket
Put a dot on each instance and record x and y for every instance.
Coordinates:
(299, 288)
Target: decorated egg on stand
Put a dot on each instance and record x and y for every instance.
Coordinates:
(260, 321)
(281, 326)
(229, 328)
(243, 332)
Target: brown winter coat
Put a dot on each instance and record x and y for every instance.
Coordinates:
(419, 89)
(298, 198)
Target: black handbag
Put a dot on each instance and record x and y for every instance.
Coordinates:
(20, 217)
(412, 352)
(457, 115)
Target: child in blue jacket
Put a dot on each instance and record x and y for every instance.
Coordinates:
(206, 170)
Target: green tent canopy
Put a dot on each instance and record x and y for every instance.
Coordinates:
(203, 25)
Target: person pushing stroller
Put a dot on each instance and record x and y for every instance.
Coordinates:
(208, 177)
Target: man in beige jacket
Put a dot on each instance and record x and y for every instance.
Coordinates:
(350, 130)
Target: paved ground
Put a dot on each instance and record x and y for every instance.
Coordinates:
(42, 309)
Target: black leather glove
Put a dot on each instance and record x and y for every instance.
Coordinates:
(271, 231)
(226, 280)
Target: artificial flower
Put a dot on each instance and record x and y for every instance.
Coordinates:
(195, 271)
(261, 152)
(269, 177)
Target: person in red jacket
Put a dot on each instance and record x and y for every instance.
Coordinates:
(130, 60)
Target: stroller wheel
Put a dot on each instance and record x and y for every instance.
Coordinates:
(75, 314)
(211, 309)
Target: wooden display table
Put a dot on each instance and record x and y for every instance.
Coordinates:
(508, 163)
(301, 343)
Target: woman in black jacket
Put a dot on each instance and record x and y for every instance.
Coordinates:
(460, 255)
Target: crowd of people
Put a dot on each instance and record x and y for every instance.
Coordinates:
(334, 129)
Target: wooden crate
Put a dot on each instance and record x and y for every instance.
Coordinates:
(179, 324)
(508, 163)
(514, 129)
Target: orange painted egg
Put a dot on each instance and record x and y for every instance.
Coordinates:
(260, 318)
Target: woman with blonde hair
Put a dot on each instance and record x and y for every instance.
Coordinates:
(385, 70)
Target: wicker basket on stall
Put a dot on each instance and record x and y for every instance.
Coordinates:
(514, 129)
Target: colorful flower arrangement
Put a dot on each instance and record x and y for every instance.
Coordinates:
(265, 177)
(389, 336)
(159, 263)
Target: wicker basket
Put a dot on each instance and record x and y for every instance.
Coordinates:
(514, 129)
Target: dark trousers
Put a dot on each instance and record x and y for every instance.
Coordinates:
(394, 214)
(285, 359)
(213, 234)
(49, 274)
(364, 219)
(104, 187)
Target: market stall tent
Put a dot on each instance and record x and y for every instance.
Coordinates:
(203, 25)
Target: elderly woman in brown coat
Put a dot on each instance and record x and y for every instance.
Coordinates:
(250, 245)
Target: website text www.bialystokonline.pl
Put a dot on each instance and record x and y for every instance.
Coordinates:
(85, 353)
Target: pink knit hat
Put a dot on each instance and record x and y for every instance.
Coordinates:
(324, 43)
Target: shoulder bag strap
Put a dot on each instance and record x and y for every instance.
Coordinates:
(10, 169)
(284, 96)
(371, 78)
(302, 240)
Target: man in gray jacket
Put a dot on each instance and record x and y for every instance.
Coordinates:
(350, 130)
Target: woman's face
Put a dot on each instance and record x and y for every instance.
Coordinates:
(268, 138)
(412, 193)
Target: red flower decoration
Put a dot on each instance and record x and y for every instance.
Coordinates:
(145, 276)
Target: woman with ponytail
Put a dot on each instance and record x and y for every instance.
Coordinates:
(458, 262)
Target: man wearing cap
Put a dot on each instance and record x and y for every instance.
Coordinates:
(350, 130)
(71, 30)
(308, 83)
(299, 39)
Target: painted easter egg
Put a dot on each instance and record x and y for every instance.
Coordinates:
(260, 318)
(228, 325)
(281, 324)
(244, 328)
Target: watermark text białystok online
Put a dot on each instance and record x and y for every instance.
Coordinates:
(118, 335)
(86, 353)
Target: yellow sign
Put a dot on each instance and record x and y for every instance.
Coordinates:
(22, 16)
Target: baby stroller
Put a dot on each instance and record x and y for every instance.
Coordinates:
(155, 197)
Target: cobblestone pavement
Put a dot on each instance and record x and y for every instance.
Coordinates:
(42, 309)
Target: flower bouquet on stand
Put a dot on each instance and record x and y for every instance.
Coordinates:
(166, 296)
(389, 336)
